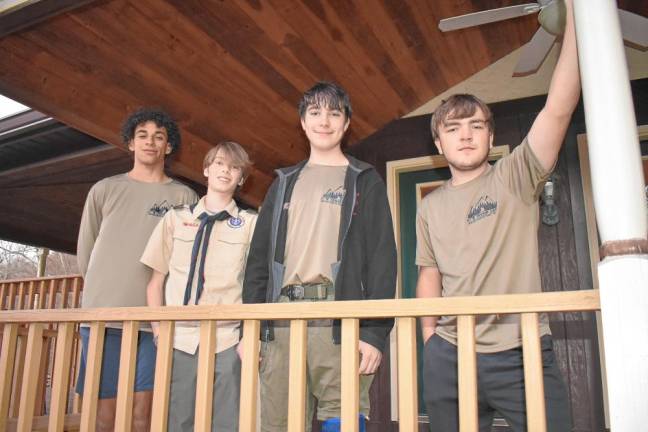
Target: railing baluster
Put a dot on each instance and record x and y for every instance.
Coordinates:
(30, 377)
(297, 375)
(163, 364)
(42, 295)
(65, 289)
(76, 292)
(407, 379)
(350, 379)
(533, 376)
(21, 296)
(11, 302)
(92, 376)
(51, 301)
(19, 366)
(3, 295)
(7, 357)
(45, 356)
(60, 379)
(127, 362)
(31, 296)
(205, 376)
(76, 399)
(249, 377)
(467, 371)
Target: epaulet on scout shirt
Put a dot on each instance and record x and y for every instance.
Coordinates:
(181, 207)
(249, 212)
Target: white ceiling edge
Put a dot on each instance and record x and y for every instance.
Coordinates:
(9, 107)
(495, 83)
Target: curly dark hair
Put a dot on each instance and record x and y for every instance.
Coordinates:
(326, 94)
(159, 117)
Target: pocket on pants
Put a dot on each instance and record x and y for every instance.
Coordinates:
(548, 355)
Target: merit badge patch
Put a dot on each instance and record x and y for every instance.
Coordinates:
(235, 222)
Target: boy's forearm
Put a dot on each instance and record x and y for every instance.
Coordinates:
(154, 295)
(428, 286)
(564, 90)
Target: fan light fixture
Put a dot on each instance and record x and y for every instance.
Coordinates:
(551, 16)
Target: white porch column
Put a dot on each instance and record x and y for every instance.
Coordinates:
(617, 183)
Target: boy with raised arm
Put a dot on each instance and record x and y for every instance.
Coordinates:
(477, 235)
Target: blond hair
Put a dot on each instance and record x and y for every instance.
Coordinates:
(234, 151)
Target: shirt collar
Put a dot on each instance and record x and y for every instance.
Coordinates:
(231, 208)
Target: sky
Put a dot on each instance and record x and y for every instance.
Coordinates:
(9, 107)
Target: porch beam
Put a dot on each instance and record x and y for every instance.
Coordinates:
(20, 14)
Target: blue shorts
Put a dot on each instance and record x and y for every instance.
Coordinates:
(144, 369)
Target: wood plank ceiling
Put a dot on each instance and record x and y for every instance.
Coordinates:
(236, 69)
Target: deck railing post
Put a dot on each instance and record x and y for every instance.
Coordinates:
(407, 377)
(205, 376)
(249, 376)
(467, 373)
(350, 379)
(297, 375)
(533, 376)
(162, 386)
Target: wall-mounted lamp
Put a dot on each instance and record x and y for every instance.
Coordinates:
(550, 214)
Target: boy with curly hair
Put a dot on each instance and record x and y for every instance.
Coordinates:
(118, 217)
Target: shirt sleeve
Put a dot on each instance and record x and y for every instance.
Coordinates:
(190, 197)
(522, 173)
(91, 219)
(159, 248)
(424, 252)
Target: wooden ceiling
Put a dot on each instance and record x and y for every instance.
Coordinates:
(236, 69)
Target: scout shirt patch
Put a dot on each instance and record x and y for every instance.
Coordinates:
(235, 222)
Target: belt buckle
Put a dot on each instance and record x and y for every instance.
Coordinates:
(297, 292)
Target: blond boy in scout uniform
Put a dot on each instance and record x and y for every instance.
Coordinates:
(201, 250)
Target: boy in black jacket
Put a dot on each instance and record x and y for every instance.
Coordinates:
(324, 233)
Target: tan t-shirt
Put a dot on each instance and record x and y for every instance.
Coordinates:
(482, 236)
(169, 252)
(314, 224)
(118, 218)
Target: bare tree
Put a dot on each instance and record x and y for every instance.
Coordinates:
(21, 261)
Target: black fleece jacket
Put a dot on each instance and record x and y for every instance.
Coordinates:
(366, 267)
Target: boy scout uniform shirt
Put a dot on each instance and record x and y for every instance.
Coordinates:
(169, 252)
(483, 238)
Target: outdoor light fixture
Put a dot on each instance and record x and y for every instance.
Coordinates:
(549, 210)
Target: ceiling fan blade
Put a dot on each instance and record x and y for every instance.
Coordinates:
(634, 28)
(544, 2)
(534, 53)
(488, 16)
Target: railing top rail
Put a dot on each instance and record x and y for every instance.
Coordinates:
(39, 279)
(566, 301)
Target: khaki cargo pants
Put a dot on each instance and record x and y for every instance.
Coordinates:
(323, 368)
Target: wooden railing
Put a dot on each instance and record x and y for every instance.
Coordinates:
(61, 292)
(405, 312)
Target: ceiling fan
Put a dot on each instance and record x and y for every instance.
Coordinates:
(551, 16)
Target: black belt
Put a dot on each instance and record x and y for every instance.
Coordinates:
(319, 291)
